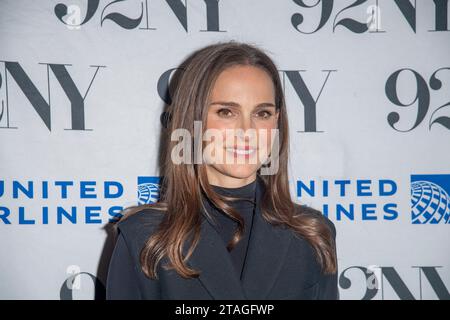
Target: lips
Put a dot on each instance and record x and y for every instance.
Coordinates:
(246, 150)
(242, 147)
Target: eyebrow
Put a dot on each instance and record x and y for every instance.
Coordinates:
(235, 104)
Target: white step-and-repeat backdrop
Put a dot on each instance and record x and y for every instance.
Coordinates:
(83, 84)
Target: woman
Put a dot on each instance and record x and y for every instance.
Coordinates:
(225, 229)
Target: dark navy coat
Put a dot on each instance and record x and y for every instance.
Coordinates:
(279, 265)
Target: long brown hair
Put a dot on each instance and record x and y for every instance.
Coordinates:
(184, 185)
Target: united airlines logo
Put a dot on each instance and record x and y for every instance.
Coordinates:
(148, 190)
(430, 201)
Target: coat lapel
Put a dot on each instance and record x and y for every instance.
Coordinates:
(212, 259)
(267, 249)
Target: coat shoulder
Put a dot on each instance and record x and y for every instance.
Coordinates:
(138, 226)
(305, 209)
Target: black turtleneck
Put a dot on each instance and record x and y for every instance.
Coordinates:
(226, 226)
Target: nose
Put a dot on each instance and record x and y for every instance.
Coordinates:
(245, 123)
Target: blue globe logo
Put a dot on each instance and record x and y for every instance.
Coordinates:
(148, 193)
(429, 203)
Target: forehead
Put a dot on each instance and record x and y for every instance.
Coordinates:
(243, 83)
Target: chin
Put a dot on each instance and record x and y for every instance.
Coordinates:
(240, 171)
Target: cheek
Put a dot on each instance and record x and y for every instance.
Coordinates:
(265, 132)
(216, 139)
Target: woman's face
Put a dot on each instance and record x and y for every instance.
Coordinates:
(243, 97)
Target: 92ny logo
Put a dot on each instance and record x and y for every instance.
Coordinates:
(78, 98)
(349, 17)
(421, 99)
(377, 282)
(305, 21)
(422, 89)
(71, 15)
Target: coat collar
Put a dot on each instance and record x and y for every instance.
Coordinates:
(267, 250)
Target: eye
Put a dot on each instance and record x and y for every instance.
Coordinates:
(264, 114)
(225, 113)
